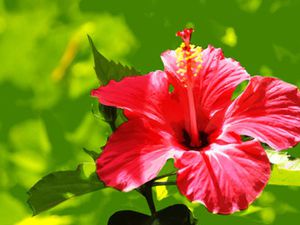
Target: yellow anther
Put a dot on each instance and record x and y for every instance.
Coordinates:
(188, 58)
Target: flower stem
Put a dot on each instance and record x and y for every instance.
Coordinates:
(146, 191)
(164, 183)
(165, 175)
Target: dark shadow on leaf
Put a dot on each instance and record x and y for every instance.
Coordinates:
(173, 215)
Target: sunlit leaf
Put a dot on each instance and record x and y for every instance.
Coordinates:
(277, 157)
(281, 176)
(285, 170)
(60, 186)
(46, 220)
(161, 190)
(283, 161)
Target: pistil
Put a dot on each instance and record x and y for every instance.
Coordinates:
(189, 63)
(195, 140)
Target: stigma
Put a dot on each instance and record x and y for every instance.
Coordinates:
(188, 58)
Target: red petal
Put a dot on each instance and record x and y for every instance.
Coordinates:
(134, 154)
(140, 95)
(225, 178)
(269, 110)
(170, 63)
(219, 77)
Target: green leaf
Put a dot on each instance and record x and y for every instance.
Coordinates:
(107, 70)
(173, 215)
(60, 186)
(284, 177)
(285, 170)
(107, 114)
(110, 115)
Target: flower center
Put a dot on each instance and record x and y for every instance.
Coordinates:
(204, 140)
(189, 62)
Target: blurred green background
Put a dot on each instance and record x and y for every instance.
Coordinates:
(46, 74)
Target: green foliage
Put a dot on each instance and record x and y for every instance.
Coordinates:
(286, 177)
(60, 186)
(109, 70)
(46, 76)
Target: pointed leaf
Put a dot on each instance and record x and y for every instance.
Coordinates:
(107, 70)
(60, 186)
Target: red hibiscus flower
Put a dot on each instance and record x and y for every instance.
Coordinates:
(186, 112)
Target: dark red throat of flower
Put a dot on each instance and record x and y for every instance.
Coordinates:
(185, 35)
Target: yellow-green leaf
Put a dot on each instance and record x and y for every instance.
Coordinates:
(280, 176)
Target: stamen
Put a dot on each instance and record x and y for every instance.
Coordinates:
(195, 140)
(189, 61)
